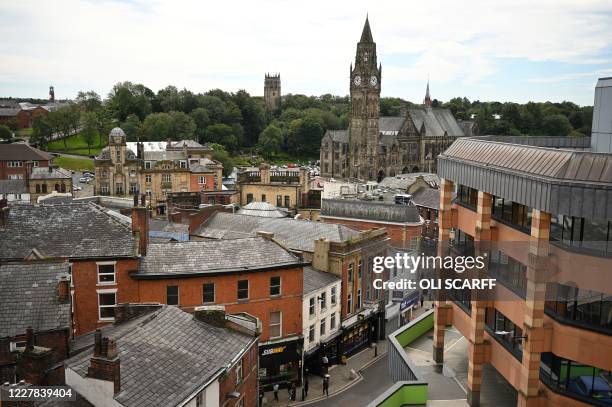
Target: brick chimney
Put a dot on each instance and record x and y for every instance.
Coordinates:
(320, 260)
(105, 363)
(63, 290)
(140, 227)
(33, 362)
(4, 213)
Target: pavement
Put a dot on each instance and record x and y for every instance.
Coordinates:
(342, 377)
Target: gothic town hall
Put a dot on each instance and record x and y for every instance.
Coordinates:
(374, 147)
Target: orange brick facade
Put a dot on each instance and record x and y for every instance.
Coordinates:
(259, 304)
(195, 185)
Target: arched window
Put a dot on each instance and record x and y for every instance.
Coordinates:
(57, 187)
(38, 188)
(63, 187)
(44, 188)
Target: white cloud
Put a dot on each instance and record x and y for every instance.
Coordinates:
(202, 45)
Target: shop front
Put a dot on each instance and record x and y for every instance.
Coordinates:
(280, 363)
(327, 350)
(361, 330)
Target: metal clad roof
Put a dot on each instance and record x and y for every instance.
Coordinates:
(570, 182)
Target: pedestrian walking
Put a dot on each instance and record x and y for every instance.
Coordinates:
(326, 385)
(275, 388)
(305, 388)
(261, 396)
(293, 391)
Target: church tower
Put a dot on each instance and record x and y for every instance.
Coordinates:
(427, 101)
(272, 92)
(365, 95)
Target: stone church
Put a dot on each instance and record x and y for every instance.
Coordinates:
(374, 147)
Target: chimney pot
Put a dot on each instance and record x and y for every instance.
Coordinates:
(63, 290)
(29, 339)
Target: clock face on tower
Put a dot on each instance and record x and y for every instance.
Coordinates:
(357, 80)
(373, 80)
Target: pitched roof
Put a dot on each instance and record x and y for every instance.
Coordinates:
(390, 124)
(50, 173)
(213, 256)
(427, 197)
(9, 111)
(368, 210)
(294, 234)
(340, 136)
(315, 280)
(436, 121)
(13, 186)
(28, 298)
(72, 230)
(166, 356)
(263, 209)
(21, 152)
(404, 181)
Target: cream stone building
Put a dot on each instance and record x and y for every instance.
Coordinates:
(155, 169)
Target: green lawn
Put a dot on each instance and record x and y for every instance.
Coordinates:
(77, 145)
(75, 164)
(27, 132)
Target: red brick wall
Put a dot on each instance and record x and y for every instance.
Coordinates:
(259, 304)
(85, 280)
(194, 186)
(247, 387)
(400, 235)
(5, 171)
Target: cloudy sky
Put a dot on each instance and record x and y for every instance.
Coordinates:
(514, 50)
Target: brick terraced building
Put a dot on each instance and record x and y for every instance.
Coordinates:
(162, 356)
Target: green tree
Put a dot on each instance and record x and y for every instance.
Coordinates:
(183, 126)
(88, 101)
(202, 121)
(132, 126)
(127, 98)
(13, 124)
(556, 125)
(223, 157)
(222, 134)
(169, 99)
(253, 116)
(41, 131)
(5, 132)
(105, 123)
(65, 122)
(89, 128)
(158, 127)
(270, 140)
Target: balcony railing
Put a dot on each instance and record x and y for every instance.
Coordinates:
(410, 388)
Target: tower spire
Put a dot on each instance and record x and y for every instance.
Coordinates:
(366, 34)
(427, 101)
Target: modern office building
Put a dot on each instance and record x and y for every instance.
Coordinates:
(543, 215)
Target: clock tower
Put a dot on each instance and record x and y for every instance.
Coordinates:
(365, 95)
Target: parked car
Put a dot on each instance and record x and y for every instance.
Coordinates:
(86, 180)
(594, 387)
(88, 174)
(76, 188)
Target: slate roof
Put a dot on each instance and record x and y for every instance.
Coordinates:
(13, 186)
(368, 210)
(340, 136)
(391, 124)
(292, 233)
(315, 280)
(213, 256)
(263, 209)
(9, 111)
(74, 230)
(56, 173)
(165, 356)
(21, 152)
(436, 121)
(427, 197)
(28, 297)
(404, 181)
